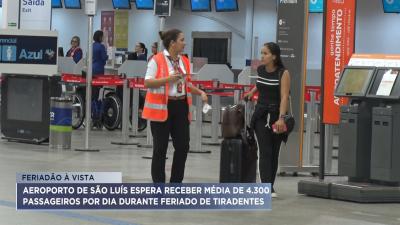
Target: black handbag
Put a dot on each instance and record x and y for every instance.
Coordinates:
(289, 119)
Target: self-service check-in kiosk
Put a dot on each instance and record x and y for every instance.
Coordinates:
(355, 123)
(369, 134)
(385, 155)
(28, 63)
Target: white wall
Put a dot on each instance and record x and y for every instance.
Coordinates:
(314, 44)
(189, 22)
(265, 16)
(144, 26)
(376, 31)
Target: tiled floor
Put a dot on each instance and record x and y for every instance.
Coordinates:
(289, 209)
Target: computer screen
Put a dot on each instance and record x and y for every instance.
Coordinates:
(391, 6)
(201, 5)
(61, 51)
(72, 4)
(55, 4)
(24, 99)
(386, 83)
(144, 4)
(226, 5)
(121, 4)
(354, 81)
(316, 6)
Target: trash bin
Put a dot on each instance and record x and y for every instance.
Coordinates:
(60, 123)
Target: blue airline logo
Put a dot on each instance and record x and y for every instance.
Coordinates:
(31, 55)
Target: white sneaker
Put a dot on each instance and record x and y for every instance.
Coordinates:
(274, 195)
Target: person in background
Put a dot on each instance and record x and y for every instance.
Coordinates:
(167, 104)
(273, 86)
(154, 50)
(100, 56)
(75, 51)
(140, 52)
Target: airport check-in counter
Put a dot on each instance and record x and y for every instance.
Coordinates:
(385, 155)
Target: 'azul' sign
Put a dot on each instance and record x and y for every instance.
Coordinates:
(28, 50)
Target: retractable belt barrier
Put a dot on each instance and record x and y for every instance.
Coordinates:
(137, 84)
(98, 80)
(312, 97)
(108, 80)
(213, 88)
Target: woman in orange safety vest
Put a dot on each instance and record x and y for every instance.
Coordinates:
(167, 105)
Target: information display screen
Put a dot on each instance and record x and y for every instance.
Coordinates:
(386, 84)
(55, 4)
(121, 4)
(354, 81)
(25, 98)
(144, 4)
(201, 5)
(391, 6)
(316, 6)
(72, 4)
(226, 5)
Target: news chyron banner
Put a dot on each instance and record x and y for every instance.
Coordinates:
(105, 191)
(339, 46)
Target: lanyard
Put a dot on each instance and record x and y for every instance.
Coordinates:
(177, 68)
(175, 64)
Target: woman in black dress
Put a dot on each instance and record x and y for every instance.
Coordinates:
(273, 86)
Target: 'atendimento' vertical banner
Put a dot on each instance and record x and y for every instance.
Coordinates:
(291, 37)
(339, 46)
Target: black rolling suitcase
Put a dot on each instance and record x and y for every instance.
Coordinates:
(231, 161)
(238, 162)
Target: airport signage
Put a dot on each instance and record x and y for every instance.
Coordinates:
(28, 50)
(162, 8)
(35, 14)
(339, 46)
(292, 39)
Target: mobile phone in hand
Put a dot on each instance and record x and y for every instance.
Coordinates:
(274, 129)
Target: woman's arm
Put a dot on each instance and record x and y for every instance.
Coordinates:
(285, 89)
(104, 55)
(251, 92)
(156, 83)
(78, 55)
(197, 91)
(150, 80)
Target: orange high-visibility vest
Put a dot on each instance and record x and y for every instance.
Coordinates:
(156, 104)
